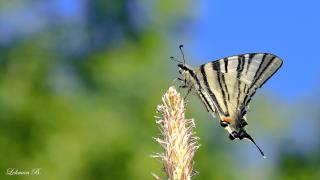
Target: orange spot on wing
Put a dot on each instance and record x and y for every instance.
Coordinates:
(227, 119)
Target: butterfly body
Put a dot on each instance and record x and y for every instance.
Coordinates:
(226, 86)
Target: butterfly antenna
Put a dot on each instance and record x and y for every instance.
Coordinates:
(175, 59)
(251, 139)
(180, 47)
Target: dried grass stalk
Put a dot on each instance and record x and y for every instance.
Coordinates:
(177, 137)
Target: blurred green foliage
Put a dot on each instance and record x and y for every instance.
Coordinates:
(89, 115)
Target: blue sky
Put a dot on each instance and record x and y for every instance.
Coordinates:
(289, 29)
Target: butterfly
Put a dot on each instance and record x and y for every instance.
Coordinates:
(226, 86)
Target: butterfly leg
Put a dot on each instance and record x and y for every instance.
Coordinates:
(185, 97)
(184, 83)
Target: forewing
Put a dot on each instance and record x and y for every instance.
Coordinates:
(232, 81)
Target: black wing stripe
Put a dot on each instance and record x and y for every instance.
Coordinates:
(225, 86)
(251, 56)
(205, 102)
(260, 65)
(271, 74)
(240, 67)
(263, 70)
(217, 68)
(223, 93)
(215, 65)
(238, 97)
(202, 96)
(226, 64)
(248, 97)
(213, 97)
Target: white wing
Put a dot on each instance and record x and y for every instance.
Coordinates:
(232, 81)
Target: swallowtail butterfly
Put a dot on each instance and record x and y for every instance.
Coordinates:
(226, 86)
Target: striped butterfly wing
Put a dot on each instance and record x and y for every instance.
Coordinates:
(232, 81)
